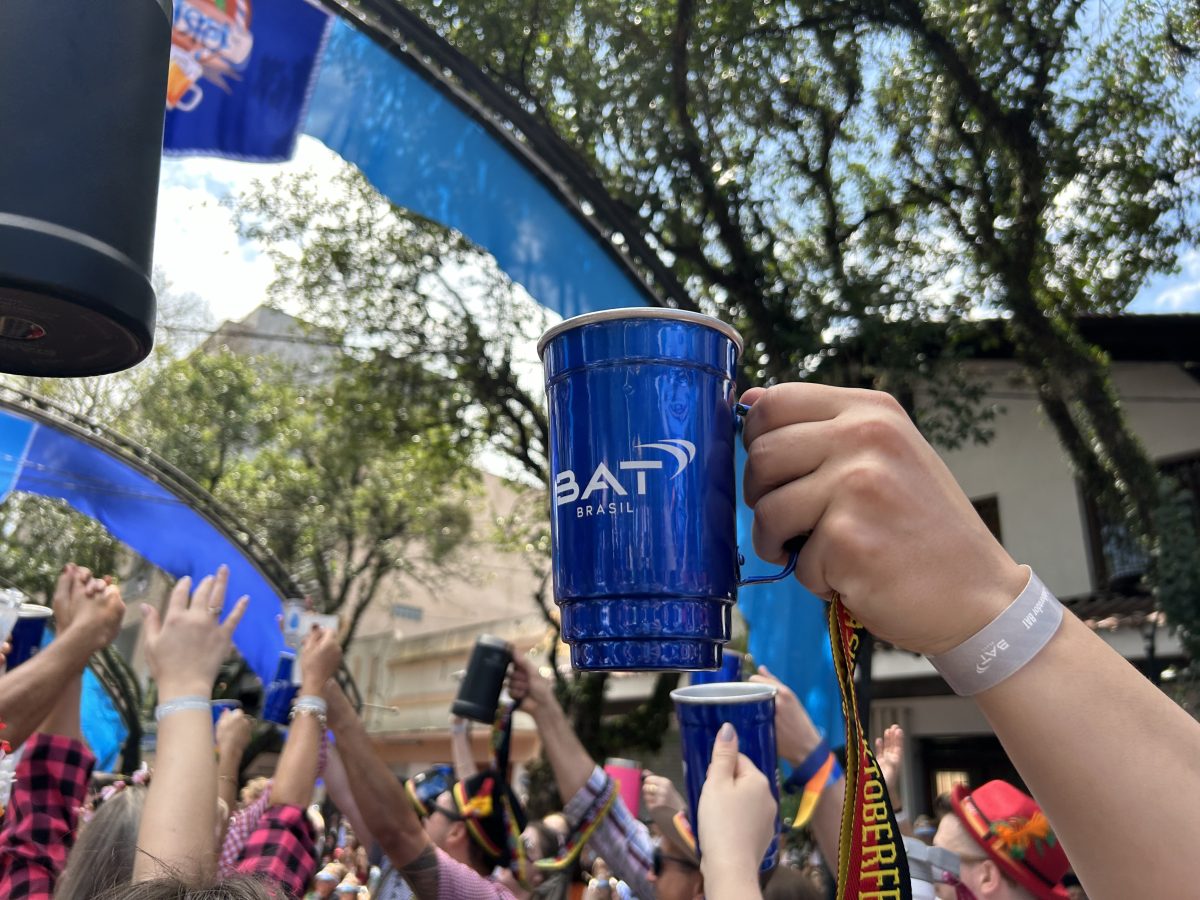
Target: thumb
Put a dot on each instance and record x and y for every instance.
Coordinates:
(878, 747)
(725, 753)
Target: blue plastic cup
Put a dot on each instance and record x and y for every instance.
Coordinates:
(731, 670)
(643, 526)
(277, 701)
(27, 633)
(701, 711)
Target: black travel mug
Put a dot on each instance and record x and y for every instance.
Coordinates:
(479, 693)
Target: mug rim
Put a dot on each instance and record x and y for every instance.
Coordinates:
(640, 312)
(724, 692)
(34, 611)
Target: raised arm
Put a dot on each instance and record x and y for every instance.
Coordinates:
(797, 738)
(382, 801)
(27, 692)
(569, 760)
(296, 771)
(460, 748)
(894, 535)
(233, 737)
(184, 650)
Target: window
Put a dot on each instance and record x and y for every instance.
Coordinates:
(1118, 563)
(945, 779)
(989, 510)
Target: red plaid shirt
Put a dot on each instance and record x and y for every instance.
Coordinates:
(39, 827)
(281, 850)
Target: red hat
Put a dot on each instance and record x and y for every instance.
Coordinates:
(1014, 831)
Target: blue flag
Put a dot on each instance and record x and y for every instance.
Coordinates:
(240, 75)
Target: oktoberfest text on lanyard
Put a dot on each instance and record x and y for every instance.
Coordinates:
(872, 864)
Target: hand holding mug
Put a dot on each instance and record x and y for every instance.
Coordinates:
(526, 684)
(186, 647)
(736, 820)
(890, 529)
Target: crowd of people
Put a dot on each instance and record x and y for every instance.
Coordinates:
(890, 533)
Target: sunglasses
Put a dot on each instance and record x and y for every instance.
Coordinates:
(448, 813)
(660, 858)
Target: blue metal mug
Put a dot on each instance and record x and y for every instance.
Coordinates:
(731, 670)
(277, 699)
(701, 711)
(643, 525)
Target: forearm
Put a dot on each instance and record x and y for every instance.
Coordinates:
(382, 801)
(337, 784)
(64, 716)
(460, 752)
(826, 822)
(228, 766)
(570, 762)
(296, 771)
(1078, 710)
(29, 690)
(720, 884)
(178, 829)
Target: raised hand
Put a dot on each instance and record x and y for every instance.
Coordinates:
(526, 684)
(660, 792)
(891, 530)
(186, 647)
(736, 821)
(795, 734)
(320, 658)
(97, 611)
(233, 734)
(889, 753)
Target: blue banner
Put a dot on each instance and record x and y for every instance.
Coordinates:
(240, 75)
(423, 152)
(145, 516)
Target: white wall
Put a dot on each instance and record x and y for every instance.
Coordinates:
(1041, 516)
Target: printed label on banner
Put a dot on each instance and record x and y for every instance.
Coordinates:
(211, 41)
(872, 864)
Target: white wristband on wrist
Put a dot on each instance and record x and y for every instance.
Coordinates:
(181, 704)
(1005, 645)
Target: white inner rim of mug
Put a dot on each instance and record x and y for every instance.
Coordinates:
(640, 312)
(724, 692)
(34, 611)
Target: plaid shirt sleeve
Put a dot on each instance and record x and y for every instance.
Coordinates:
(622, 840)
(39, 828)
(459, 882)
(281, 850)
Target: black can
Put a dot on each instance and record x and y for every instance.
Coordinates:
(479, 693)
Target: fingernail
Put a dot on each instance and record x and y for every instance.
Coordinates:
(145, 609)
(726, 733)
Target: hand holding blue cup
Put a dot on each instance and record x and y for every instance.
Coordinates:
(750, 708)
(642, 429)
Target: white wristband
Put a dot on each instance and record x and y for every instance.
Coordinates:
(1004, 645)
(181, 704)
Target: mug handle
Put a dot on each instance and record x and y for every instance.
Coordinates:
(795, 545)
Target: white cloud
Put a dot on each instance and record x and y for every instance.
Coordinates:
(196, 243)
(1174, 293)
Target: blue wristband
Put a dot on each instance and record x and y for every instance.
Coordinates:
(804, 773)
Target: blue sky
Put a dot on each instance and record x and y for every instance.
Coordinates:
(197, 246)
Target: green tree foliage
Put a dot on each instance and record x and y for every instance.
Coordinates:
(341, 486)
(843, 179)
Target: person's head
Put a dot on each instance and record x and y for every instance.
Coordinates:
(1005, 846)
(472, 822)
(102, 857)
(676, 874)
(786, 883)
(173, 889)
